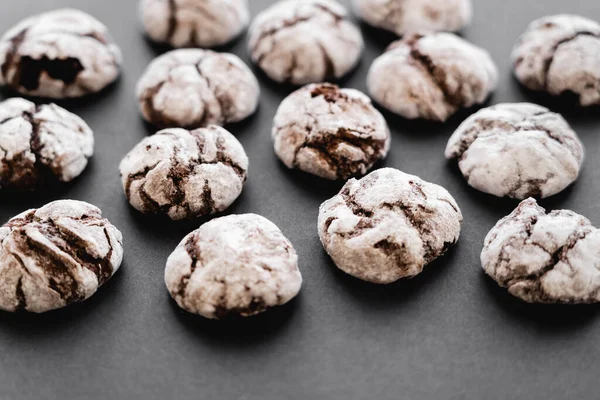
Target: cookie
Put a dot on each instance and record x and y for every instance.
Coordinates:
(517, 150)
(185, 174)
(431, 76)
(194, 23)
(560, 54)
(388, 225)
(330, 132)
(239, 265)
(41, 144)
(56, 255)
(191, 88)
(305, 41)
(544, 257)
(406, 16)
(58, 54)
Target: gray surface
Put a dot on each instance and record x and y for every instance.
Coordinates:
(448, 334)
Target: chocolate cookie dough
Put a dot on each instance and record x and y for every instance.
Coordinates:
(239, 265)
(194, 23)
(185, 174)
(431, 76)
(58, 54)
(560, 54)
(41, 144)
(544, 258)
(388, 225)
(55, 256)
(330, 132)
(406, 16)
(517, 150)
(305, 41)
(190, 88)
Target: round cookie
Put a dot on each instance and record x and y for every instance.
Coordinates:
(239, 265)
(517, 150)
(190, 88)
(194, 23)
(56, 255)
(544, 258)
(185, 174)
(330, 132)
(560, 54)
(388, 225)
(406, 16)
(305, 41)
(41, 144)
(431, 76)
(58, 54)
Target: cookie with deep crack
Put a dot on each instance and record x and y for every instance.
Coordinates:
(544, 257)
(388, 225)
(239, 265)
(560, 54)
(194, 23)
(191, 88)
(41, 144)
(431, 76)
(517, 150)
(305, 41)
(406, 16)
(330, 132)
(56, 255)
(58, 54)
(185, 174)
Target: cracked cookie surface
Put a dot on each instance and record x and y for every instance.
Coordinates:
(388, 225)
(544, 257)
(41, 144)
(330, 132)
(56, 255)
(194, 23)
(431, 76)
(185, 174)
(517, 150)
(234, 265)
(305, 41)
(217, 88)
(407, 16)
(58, 54)
(560, 54)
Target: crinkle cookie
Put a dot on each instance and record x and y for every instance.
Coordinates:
(40, 144)
(544, 258)
(330, 132)
(58, 54)
(239, 265)
(561, 54)
(185, 174)
(431, 76)
(517, 150)
(406, 16)
(56, 255)
(190, 88)
(388, 225)
(194, 23)
(305, 41)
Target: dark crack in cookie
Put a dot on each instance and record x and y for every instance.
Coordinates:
(56, 255)
(517, 150)
(58, 54)
(185, 174)
(388, 225)
(544, 258)
(330, 132)
(239, 265)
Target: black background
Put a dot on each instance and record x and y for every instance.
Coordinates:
(447, 334)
